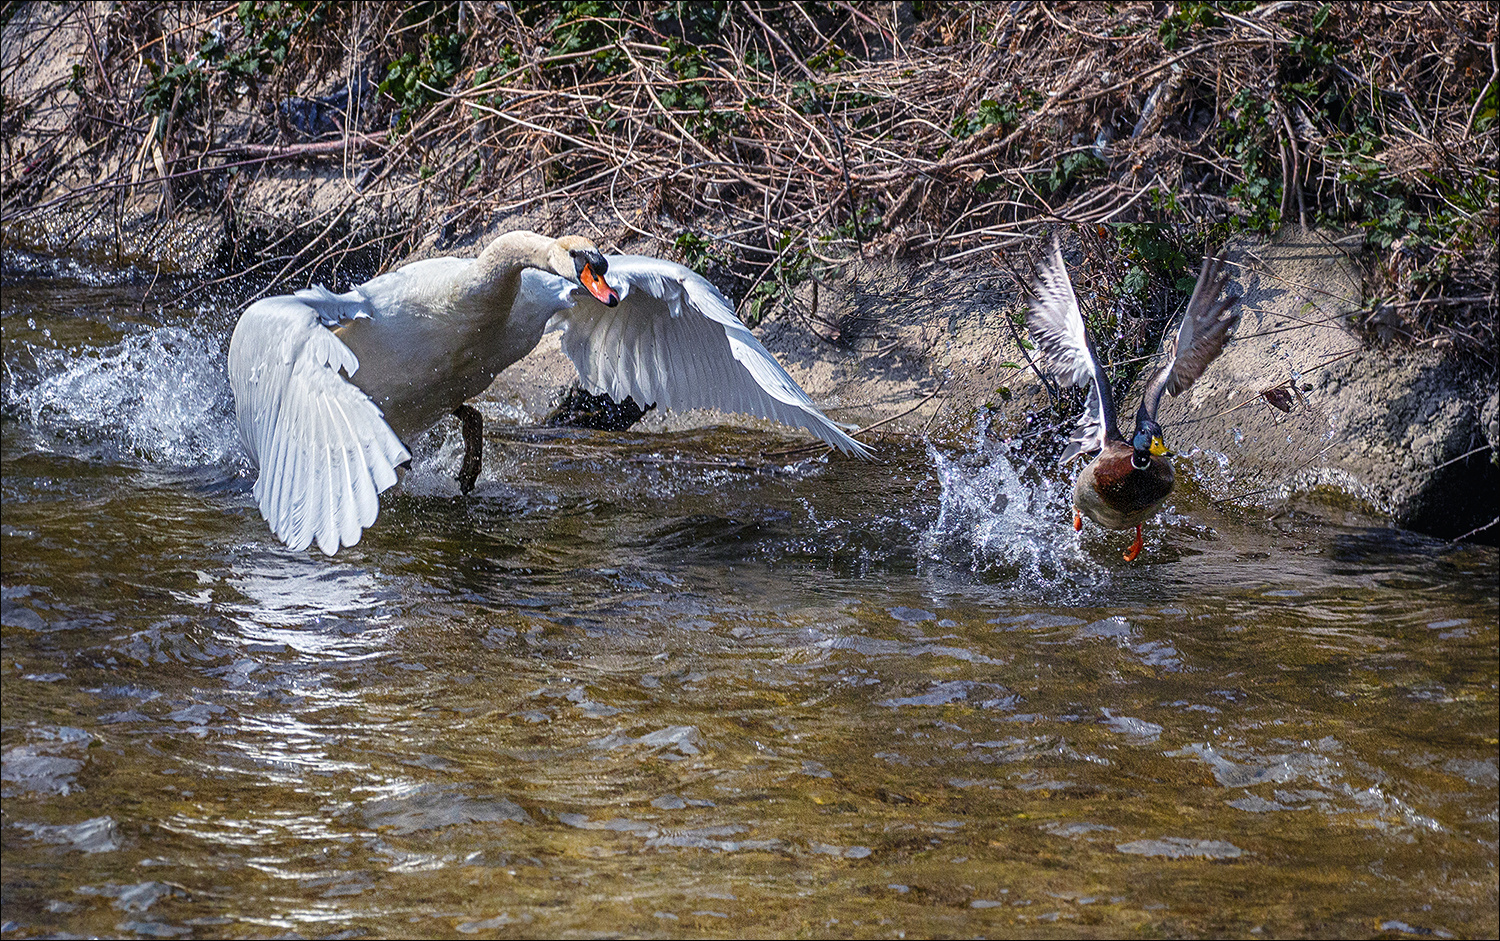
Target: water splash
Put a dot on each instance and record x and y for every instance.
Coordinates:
(161, 396)
(19, 265)
(436, 456)
(998, 520)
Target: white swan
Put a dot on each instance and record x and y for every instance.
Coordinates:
(329, 387)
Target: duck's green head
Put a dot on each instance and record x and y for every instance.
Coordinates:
(1147, 441)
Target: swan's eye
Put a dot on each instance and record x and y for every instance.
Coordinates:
(583, 258)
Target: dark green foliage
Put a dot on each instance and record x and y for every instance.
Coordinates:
(989, 113)
(1155, 251)
(576, 26)
(1179, 24)
(689, 65)
(180, 84)
(268, 28)
(791, 269)
(1182, 24)
(697, 21)
(698, 252)
(1246, 135)
(1073, 168)
(416, 79)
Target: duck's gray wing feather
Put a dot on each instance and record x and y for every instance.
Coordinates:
(1200, 338)
(1067, 352)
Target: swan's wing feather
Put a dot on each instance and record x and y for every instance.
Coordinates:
(416, 288)
(1056, 325)
(420, 288)
(324, 450)
(673, 340)
(333, 309)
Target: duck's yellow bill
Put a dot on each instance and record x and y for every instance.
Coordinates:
(1159, 447)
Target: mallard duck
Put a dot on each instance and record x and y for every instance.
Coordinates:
(330, 389)
(1132, 476)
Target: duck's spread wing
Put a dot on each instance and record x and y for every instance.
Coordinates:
(324, 450)
(674, 341)
(1205, 328)
(1088, 434)
(1056, 325)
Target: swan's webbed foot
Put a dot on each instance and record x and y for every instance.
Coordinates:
(473, 427)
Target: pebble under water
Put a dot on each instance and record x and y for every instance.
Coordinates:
(656, 684)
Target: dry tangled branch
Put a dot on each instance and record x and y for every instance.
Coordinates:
(771, 138)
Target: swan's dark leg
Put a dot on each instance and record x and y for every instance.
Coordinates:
(473, 425)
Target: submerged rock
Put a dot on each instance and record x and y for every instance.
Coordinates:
(580, 408)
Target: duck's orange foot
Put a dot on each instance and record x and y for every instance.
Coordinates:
(1077, 522)
(1135, 549)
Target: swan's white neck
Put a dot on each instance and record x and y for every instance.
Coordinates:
(495, 279)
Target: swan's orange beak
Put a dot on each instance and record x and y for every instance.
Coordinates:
(605, 294)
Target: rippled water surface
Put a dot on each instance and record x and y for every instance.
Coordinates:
(659, 684)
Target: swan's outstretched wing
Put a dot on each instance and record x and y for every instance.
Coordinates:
(324, 450)
(1068, 355)
(673, 340)
(1201, 337)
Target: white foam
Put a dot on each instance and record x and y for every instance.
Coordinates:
(989, 514)
(161, 396)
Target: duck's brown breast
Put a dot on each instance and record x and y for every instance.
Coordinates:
(1114, 494)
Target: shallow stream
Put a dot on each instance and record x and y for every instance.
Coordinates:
(654, 684)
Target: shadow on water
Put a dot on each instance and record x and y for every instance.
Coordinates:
(656, 684)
